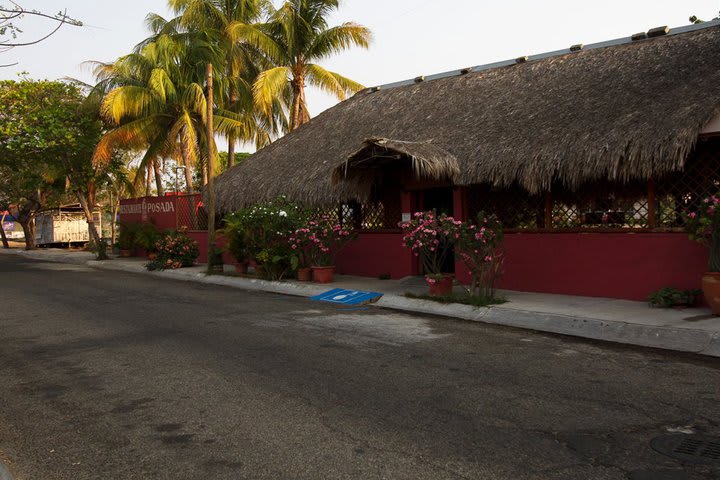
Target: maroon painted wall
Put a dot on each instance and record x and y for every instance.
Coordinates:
(374, 254)
(615, 265)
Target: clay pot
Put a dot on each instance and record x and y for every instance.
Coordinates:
(711, 290)
(151, 256)
(241, 267)
(126, 253)
(304, 274)
(441, 287)
(323, 274)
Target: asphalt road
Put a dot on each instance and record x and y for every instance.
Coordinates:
(106, 375)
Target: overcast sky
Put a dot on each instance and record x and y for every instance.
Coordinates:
(411, 37)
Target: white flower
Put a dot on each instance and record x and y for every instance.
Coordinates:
(282, 213)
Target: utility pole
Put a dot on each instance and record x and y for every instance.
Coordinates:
(211, 170)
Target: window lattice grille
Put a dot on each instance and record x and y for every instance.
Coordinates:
(683, 191)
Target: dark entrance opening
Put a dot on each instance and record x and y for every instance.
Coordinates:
(441, 200)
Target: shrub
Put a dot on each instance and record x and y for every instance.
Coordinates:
(478, 247)
(431, 237)
(671, 297)
(126, 236)
(262, 231)
(174, 250)
(146, 236)
(318, 242)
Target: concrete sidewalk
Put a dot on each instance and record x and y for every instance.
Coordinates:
(687, 330)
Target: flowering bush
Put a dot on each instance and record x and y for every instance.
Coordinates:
(478, 247)
(703, 225)
(431, 237)
(320, 240)
(174, 250)
(261, 232)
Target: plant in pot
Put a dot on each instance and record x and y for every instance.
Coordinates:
(265, 229)
(126, 239)
(235, 232)
(146, 237)
(215, 259)
(431, 237)
(320, 241)
(478, 247)
(703, 226)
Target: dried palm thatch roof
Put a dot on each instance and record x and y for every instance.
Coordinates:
(623, 111)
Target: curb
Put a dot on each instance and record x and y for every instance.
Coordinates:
(667, 338)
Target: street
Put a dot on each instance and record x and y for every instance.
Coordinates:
(108, 375)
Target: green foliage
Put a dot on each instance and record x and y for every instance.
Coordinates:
(703, 226)
(147, 236)
(473, 300)
(262, 231)
(126, 236)
(672, 297)
(478, 247)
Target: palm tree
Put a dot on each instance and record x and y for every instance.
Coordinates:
(233, 27)
(155, 101)
(302, 37)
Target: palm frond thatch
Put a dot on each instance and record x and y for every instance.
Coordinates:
(624, 112)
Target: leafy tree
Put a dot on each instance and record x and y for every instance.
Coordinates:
(46, 145)
(301, 36)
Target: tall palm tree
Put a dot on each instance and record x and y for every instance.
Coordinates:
(155, 100)
(233, 26)
(302, 37)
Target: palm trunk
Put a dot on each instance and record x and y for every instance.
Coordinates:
(158, 178)
(299, 114)
(148, 182)
(231, 151)
(188, 171)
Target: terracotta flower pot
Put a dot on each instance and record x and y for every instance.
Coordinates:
(440, 287)
(304, 274)
(323, 274)
(151, 256)
(711, 290)
(241, 267)
(126, 253)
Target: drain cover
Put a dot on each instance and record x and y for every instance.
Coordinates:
(689, 448)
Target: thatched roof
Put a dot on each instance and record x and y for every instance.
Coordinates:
(619, 111)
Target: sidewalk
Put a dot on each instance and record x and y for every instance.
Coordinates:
(687, 330)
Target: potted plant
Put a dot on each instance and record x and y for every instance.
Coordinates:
(215, 259)
(126, 239)
(146, 237)
(703, 226)
(235, 232)
(431, 237)
(320, 241)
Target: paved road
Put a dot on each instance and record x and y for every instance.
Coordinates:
(107, 375)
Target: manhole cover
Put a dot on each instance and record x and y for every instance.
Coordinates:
(689, 448)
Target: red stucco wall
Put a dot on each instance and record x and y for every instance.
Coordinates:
(374, 254)
(622, 265)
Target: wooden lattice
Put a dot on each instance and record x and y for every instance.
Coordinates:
(513, 206)
(684, 191)
(191, 213)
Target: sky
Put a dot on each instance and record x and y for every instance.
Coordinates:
(411, 37)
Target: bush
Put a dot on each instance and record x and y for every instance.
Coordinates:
(318, 242)
(261, 232)
(672, 297)
(146, 236)
(478, 247)
(174, 250)
(431, 237)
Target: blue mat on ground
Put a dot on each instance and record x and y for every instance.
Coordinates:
(347, 297)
